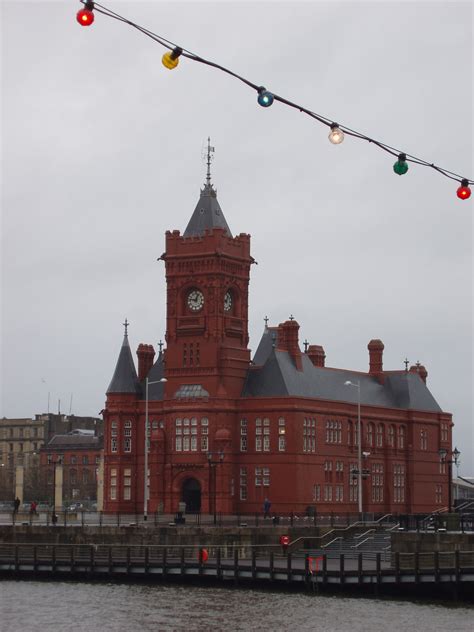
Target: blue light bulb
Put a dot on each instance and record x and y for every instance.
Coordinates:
(265, 98)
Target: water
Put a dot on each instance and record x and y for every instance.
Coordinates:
(99, 607)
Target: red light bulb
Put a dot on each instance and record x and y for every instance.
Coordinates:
(85, 17)
(464, 192)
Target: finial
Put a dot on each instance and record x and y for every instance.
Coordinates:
(418, 365)
(266, 322)
(306, 343)
(209, 159)
(126, 324)
(160, 345)
(406, 362)
(292, 317)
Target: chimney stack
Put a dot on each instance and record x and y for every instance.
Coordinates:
(146, 355)
(316, 354)
(376, 348)
(420, 369)
(287, 340)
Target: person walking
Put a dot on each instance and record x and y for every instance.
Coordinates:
(266, 508)
(16, 505)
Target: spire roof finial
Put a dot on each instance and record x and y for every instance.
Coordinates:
(209, 160)
(126, 324)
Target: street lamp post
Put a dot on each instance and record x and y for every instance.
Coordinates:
(145, 473)
(359, 443)
(212, 477)
(443, 453)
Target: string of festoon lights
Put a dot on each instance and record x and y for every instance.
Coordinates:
(265, 98)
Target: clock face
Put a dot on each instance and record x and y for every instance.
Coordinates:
(227, 302)
(195, 300)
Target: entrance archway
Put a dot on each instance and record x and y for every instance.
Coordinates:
(191, 494)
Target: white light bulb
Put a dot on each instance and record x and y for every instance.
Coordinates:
(336, 135)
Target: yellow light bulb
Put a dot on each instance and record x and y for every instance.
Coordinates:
(171, 59)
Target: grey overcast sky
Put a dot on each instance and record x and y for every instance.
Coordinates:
(102, 154)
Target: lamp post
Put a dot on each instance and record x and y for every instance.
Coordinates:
(443, 453)
(145, 473)
(359, 443)
(212, 476)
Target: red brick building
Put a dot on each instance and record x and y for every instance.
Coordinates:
(79, 454)
(227, 431)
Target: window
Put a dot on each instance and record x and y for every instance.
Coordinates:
(266, 442)
(328, 493)
(328, 471)
(73, 459)
(339, 471)
(127, 484)
(258, 476)
(353, 483)
(309, 435)
(317, 493)
(113, 445)
(391, 436)
(258, 433)
(243, 483)
(72, 477)
(204, 444)
(179, 444)
(401, 437)
(377, 482)
(85, 476)
(339, 493)
(243, 435)
(185, 444)
(399, 483)
(442, 466)
(379, 436)
(370, 435)
(281, 435)
(439, 494)
(85, 459)
(113, 429)
(444, 432)
(127, 444)
(423, 439)
(266, 477)
(193, 442)
(113, 484)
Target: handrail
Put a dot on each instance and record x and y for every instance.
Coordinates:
(361, 535)
(356, 546)
(329, 543)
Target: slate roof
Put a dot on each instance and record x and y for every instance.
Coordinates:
(207, 214)
(76, 441)
(156, 390)
(274, 374)
(125, 378)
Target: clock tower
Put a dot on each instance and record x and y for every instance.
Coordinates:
(207, 276)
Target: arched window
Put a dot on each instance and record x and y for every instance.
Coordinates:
(370, 434)
(391, 436)
(401, 437)
(379, 436)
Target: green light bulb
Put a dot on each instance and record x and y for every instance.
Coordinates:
(401, 167)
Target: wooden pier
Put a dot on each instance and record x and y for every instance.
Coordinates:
(160, 563)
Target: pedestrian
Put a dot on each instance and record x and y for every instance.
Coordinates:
(266, 508)
(33, 506)
(16, 505)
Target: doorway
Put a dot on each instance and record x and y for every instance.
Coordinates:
(191, 495)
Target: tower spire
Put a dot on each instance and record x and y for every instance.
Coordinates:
(209, 160)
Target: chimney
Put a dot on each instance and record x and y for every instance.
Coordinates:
(420, 369)
(376, 348)
(287, 340)
(146, 355)
(316, 354)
